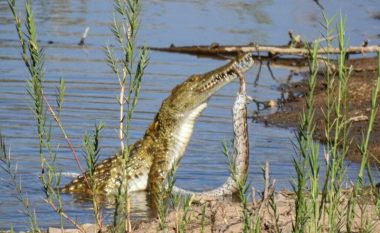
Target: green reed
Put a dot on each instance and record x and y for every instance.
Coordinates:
(309, 208)
(91, 151)
(165, 199)
(123, 64)
(306, 166)
(320, 206)
(363, 148)
(241, 186)
(250, 215)
(33, 57)
(203, 218)
(124, 29)
(276, 215)
(182, 209)
(15, 183)
(338, 145)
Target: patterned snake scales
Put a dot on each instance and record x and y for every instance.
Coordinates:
(241, 149)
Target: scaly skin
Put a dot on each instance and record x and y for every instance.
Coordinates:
(166, 138)
(240, 154)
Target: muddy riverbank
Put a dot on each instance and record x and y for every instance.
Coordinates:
(360, 85)
(226, 216)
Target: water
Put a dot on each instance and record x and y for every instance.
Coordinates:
(91, 88)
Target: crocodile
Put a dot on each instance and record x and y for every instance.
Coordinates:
(239, 160)
(164, 142)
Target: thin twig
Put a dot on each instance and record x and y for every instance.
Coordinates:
(266, 193)
(258, 73)
(319, 4)
(121, 110)
(58, 121)
(81, 42)
(72, 221)
(266, 180)
(271, 72)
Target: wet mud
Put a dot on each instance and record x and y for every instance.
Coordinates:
(276, 214)
(361, 82)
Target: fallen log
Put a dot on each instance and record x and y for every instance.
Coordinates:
(278, 60)
(231, 50)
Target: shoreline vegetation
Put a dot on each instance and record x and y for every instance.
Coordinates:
(330, 104)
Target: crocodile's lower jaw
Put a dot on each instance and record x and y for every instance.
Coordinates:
(181, 136)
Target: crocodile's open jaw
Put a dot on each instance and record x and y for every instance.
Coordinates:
(198, 88)
(189, 99)
(216, 81)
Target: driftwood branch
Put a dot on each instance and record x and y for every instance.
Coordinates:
(218, 50)
(275, 56)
